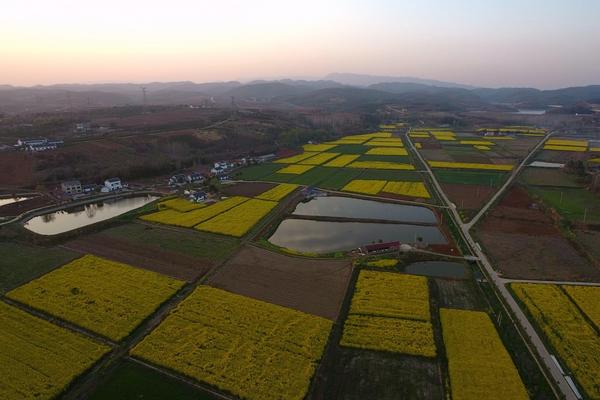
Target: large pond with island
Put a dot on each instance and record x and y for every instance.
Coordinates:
(72, 218)
(404, 223)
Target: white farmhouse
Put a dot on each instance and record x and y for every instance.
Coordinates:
(112, 184)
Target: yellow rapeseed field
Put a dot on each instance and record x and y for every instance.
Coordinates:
(390, 312)
(412, 189)
(565, 148)
(387, 151)
(252, 349)
(347, 141)
(418, 135)
(595, 149)
(380, 165)
(342, 161)
(387, 140)
(179, 204)
(459, 165)
(499, 137)
(295, 169)
(103, 296)
(588, 299)
(297, 158)
(194, 217)
(383, 263)
(478, 363)
(319, 159)
(568, 142)
(38, 360)
(278, 192)
(238, 220)
(482, 148)
(594, 160)
(389, 334)
(364, 186)
(418, 145)
(318, 147)
(573, 338)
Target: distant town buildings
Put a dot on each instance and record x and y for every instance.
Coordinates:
(38, 144)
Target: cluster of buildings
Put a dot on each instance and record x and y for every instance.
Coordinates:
(38, 144)
(74, 187)
(183, 179)
(221, 168)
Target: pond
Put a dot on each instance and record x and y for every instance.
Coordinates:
(310, 236)
(347, 207)
(438, 269)
(9, 200)
(77, 217)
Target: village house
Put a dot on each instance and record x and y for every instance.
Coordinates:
(71, 187)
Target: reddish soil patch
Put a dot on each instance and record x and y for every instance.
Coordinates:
(18, 208)
(148, 257)
(468, 197)
(249, 189)
(314, 286)
(16, 169)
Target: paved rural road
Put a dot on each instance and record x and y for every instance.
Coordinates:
(508, 280)
(506, 185)
(543, 354)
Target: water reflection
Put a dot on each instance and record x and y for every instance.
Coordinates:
(326, 237)
(77, 217)
(347, 207)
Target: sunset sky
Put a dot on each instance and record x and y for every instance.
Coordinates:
(539, 43)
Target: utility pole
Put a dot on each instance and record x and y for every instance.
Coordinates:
(144, 97)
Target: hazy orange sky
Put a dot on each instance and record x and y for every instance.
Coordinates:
(551, 43)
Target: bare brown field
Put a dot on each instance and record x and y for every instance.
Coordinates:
(435, 154)
(524, 243)
(314, 286)
(16, 169)
(248, 189)
(148, 257)
(14, 209)
(468, 197)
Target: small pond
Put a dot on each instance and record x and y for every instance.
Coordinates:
(310, 236)
(80, 216)
(347, 207)
(438, 269)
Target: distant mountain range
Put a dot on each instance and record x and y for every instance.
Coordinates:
(336, 91)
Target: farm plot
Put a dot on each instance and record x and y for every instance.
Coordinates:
(372, 375)
(399, 189)
(571, 336)
(472, 348)
(312, 286)
(179, 204)
(573, 204)
(297, 158)
(176, 253)
(549, 177)
(38, 359)
(247, 189)
(467, 165)
(342, 161)
(20, 263)
(194, 217)
(295, 169)
(390, 312)
(586, 298)
(238, 220)
(278, 192)
(452, 293)
(257, 172)
(133, 381)
(319, 159)
(106, 297)
(276, 349)
(380, 165)
(364, 186)
(524, 243)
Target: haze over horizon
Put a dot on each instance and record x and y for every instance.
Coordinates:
(480, 43)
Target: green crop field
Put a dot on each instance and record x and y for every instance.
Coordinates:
(193, 244)
(340, 178)
(572, 204)
(257, 172)
(133, 381)
(549, 177)
(22, 263)
(398, 159)
(493, 179)
(351, 149)
(391, 175)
